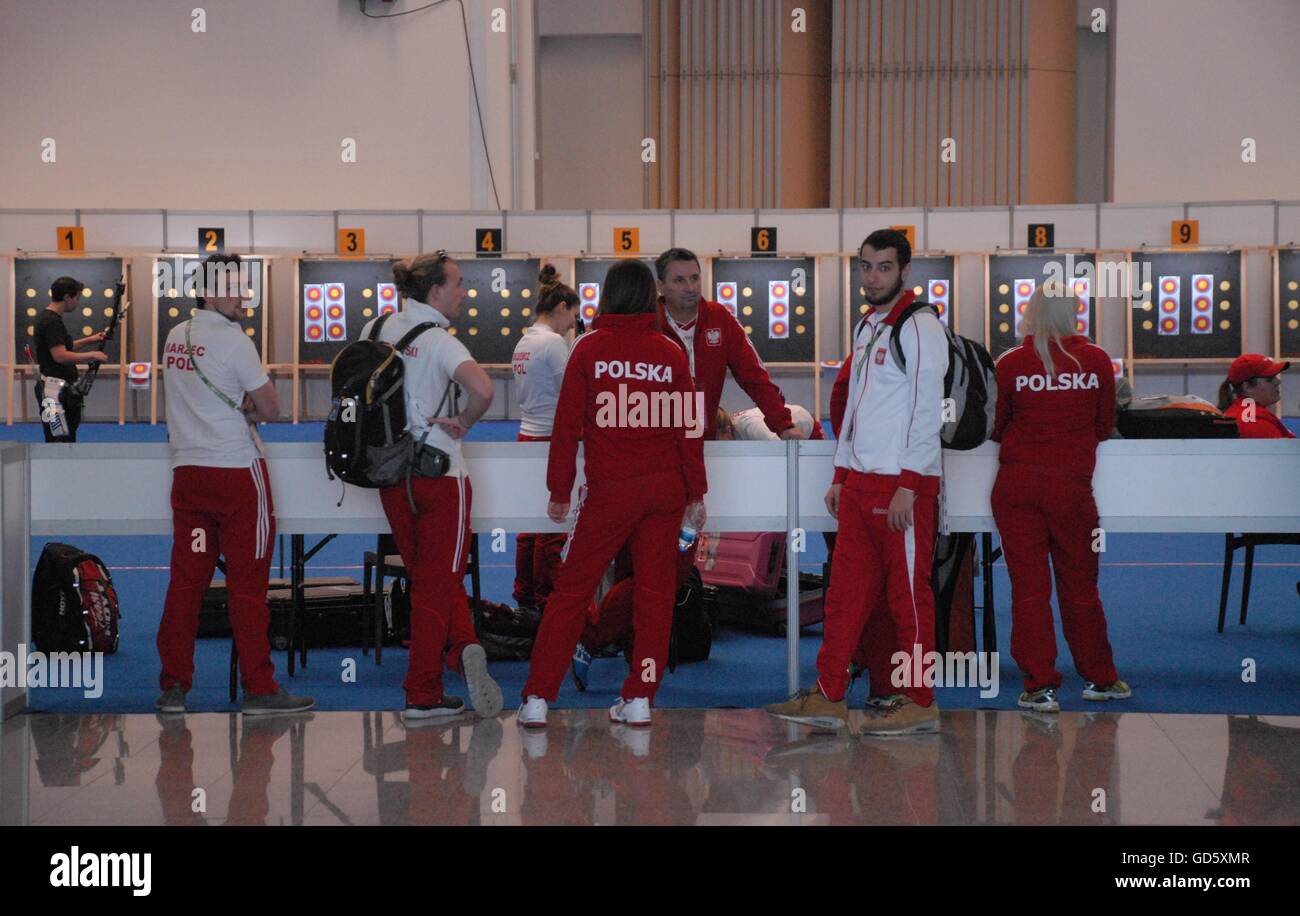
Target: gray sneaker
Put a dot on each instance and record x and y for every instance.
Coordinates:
(278, 702)
(484, 693)
(172, 700)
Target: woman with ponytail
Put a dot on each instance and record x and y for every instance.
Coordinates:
(1253, 386)
(433, 536)
(539, 361)
(1056, 403)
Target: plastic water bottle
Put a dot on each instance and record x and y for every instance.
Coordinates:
(686, 538)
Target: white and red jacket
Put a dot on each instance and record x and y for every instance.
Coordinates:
(615, 372)
(893, 417)
(720, 343)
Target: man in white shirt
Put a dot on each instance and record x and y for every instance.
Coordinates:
(885, 498)
(221, 492)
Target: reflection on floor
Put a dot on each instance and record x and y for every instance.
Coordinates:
(691, 767)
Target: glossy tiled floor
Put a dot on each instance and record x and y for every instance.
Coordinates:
(692, 767)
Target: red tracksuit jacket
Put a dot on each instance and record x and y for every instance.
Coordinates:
(1055, 421)
(721, 344)
(1265, 426)
(618, 365)
(840, 395)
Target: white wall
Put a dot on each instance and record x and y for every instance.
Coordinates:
(251, 114)
(1195, 77)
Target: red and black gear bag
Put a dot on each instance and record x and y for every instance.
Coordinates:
(74, 604)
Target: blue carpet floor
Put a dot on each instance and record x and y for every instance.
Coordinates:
(1161, 594)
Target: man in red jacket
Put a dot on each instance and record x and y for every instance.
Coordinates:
(715, 342)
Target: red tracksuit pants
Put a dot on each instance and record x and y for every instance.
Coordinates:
(537, 557)
(233, 509)
(1042, 513)
(647, 514)
(876, 644)
(434, 545)
(878, 570)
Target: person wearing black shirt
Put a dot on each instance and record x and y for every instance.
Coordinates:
(56, 356)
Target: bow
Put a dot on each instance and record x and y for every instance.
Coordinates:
(83, 385)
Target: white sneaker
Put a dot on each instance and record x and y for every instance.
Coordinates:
(532, 713)
(631, 712)
(534, 743)
(635, 740)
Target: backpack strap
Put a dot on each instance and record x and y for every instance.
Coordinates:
(895, 345)
(378, 326)
(410, 335)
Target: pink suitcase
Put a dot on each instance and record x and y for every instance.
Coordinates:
(744, 579)
(751, 562)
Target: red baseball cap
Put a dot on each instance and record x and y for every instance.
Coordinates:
(1254, 365)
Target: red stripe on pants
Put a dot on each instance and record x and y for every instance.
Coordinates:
(646, 513)
(435, 548)
(876, 568)
(234, 510)
(1042, 513)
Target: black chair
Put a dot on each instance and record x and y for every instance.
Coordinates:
(383, 562)
(1232, 542)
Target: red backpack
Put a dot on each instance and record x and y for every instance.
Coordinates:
(74, 604)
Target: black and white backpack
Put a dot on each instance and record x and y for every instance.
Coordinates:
(970, 388)
(366, 442)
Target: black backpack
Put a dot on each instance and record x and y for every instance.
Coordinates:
(366, 443)
(506, 633)
(692, 634)
(970, 386)
(74, 604)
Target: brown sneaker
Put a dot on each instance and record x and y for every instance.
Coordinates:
(904, 718)
(877, 705)
(810, 707)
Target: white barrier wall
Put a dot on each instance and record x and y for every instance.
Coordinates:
(1168, 485)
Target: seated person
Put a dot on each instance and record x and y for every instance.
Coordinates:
(1252, 387)
(611, 624)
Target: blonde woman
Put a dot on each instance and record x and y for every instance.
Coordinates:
(1056, 402)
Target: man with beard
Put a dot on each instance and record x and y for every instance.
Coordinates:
(885, 497)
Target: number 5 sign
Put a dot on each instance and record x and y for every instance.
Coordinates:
(627, 239)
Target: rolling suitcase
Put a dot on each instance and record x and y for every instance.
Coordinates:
(750, 562)
(745, 584)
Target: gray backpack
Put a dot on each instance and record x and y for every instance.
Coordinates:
(970, 389)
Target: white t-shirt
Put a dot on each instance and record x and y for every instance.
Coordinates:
(203, 430)
(539, 361)
(430, 362)
(749, 424)
(687, 334)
